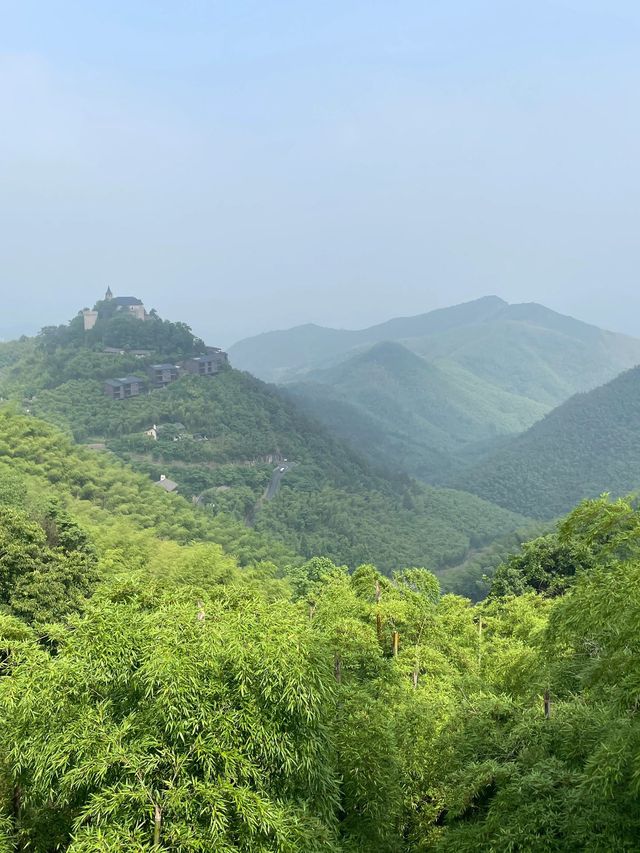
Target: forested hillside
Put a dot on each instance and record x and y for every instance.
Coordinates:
(401, 409)
(587, 446)
(436, 393)
(156, 695)
(220, 438)
(527, 349)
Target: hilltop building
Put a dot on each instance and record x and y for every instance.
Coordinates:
(206, 365)
(122, 389)
(162, 375)
(131, 304)
(126, 303)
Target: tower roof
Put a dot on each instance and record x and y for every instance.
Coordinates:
(126, 301)
(108, 294)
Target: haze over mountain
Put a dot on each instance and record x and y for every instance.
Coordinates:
(401, 409)
(587, 446)
(433, 393)
(525, 348)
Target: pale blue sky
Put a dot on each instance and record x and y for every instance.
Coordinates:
(253, 165)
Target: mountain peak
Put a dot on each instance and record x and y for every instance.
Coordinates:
(390, 354)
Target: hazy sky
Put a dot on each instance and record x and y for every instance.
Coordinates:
(253, 165)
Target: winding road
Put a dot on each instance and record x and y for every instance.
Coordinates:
(276, 480)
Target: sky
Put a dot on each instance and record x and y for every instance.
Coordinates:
(247, 166)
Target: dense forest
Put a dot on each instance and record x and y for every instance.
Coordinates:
(587, 446)
(158, 694)
(439, 393)
(218, 437)
(427, 419)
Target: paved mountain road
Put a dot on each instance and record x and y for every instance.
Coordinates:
(276, 480)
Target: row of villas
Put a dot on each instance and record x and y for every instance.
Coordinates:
(161, 375)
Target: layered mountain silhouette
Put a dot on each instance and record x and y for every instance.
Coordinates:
(434, 393)
(526, 349)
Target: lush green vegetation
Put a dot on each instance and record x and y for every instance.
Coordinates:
(121, 330)
(157, 696)
(43, 462)
(472, 577)
(585, 447)
(220, 439)
(425, 418)
(434, 394)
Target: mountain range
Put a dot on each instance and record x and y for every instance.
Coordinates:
(435, 393)
(219, 439)
(490, 406)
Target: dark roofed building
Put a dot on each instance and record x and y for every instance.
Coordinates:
(131, 304)
(162, 375)
(122, 389)
(206, 365)
(125, 301)
(167, 484)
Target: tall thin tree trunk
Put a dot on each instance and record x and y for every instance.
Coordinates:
(16, 807)
(157, 824)
(337, 668)
(378, 616)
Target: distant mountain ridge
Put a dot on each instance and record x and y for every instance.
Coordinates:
(397, 407)
(435, 393)
(274, 355)
(484, 336)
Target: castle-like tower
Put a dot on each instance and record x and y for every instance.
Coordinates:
(131, 304)
(90, 318)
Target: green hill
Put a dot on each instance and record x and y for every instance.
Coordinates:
(431, 395)
(219, 439)
(282, 355)
(423, 417)
(157, 693)
(588, 445)
(525, 349)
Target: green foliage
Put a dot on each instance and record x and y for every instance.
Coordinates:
(371, 526)
(546, 565)
(583, 448)
(36, 457)
(425, 418)
(472, 577)
(331, 502)
(173, 678)
(175, 724)
(191, 705)
(47, 569)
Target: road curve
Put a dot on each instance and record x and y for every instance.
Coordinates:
(276, 480)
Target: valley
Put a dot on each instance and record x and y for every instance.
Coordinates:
(216, 599)
(435, 394)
